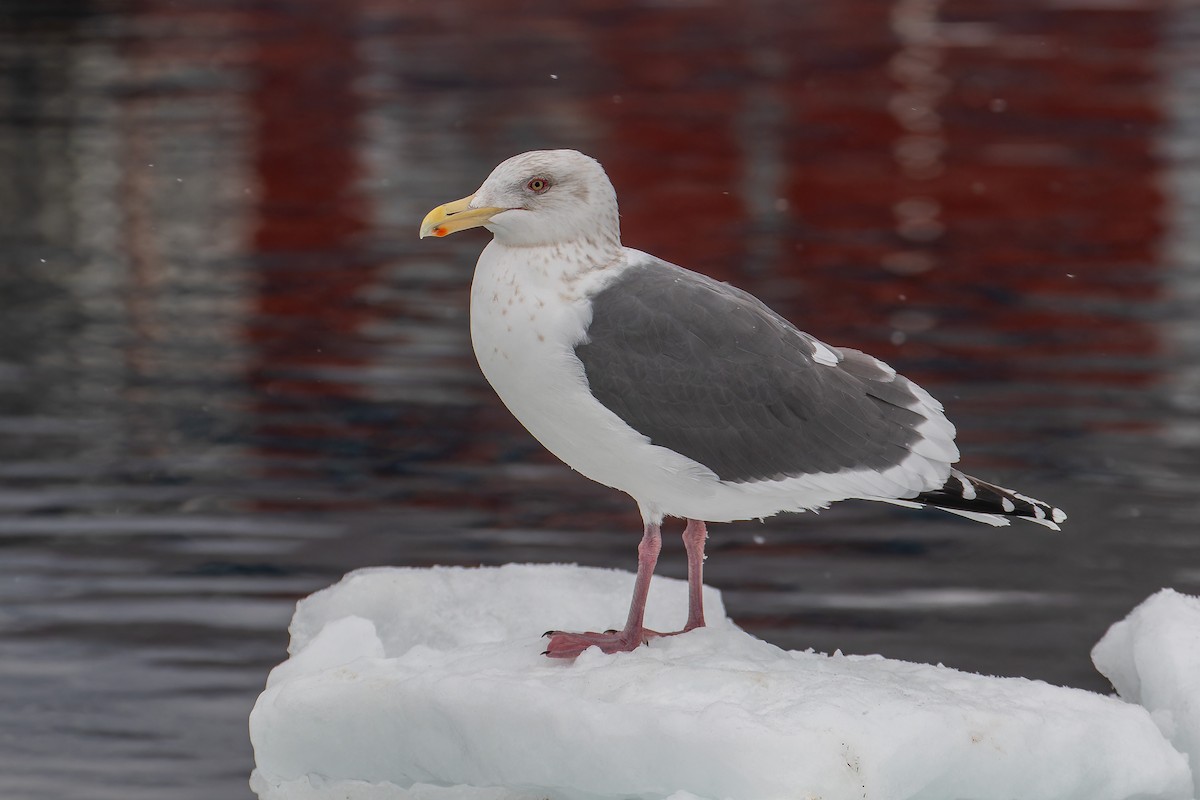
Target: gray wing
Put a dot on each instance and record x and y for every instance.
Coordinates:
(710, 372)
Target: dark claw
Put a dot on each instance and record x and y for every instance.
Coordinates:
(545, 652)
(611, 630)
(547, 633)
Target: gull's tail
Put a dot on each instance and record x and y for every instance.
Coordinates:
(985, 502)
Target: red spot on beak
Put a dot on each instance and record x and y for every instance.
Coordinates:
(440, 231)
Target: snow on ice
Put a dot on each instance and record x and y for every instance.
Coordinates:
(428, 684)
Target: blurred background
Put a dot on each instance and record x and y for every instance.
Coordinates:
(230, 372)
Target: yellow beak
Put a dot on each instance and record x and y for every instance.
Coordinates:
(456, 216)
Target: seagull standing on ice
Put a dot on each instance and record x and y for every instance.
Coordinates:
(687, 394)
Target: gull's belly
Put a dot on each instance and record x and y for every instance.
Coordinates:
(526, 352)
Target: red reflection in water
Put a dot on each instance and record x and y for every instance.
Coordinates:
(923, 180)
(309, 213)
(932, 172)
(669, 105)
(911, 167)
(308, 311)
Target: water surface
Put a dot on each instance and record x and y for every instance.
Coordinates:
(229, 371)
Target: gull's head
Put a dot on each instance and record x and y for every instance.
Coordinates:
(544, 197)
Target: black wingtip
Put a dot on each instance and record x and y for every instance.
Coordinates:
(965, 493)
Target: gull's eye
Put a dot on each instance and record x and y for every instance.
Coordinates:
(538, 185)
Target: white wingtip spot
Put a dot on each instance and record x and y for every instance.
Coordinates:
(823, 355)
(968, 490)
(1007, 505)
(1057, 515)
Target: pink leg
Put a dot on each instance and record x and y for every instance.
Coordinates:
(693, 539)
(569, 645)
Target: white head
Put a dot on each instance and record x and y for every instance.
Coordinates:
(544, 197)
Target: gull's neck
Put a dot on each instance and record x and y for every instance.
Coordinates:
(564, 264)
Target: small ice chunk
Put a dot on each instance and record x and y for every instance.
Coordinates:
(1152, 658)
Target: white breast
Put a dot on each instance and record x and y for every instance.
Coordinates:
(526, 319)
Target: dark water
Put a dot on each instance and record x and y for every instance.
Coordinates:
(229, 371)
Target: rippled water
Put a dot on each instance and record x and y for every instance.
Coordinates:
(229, 372)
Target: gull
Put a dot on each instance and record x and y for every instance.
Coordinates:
(689, 395)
